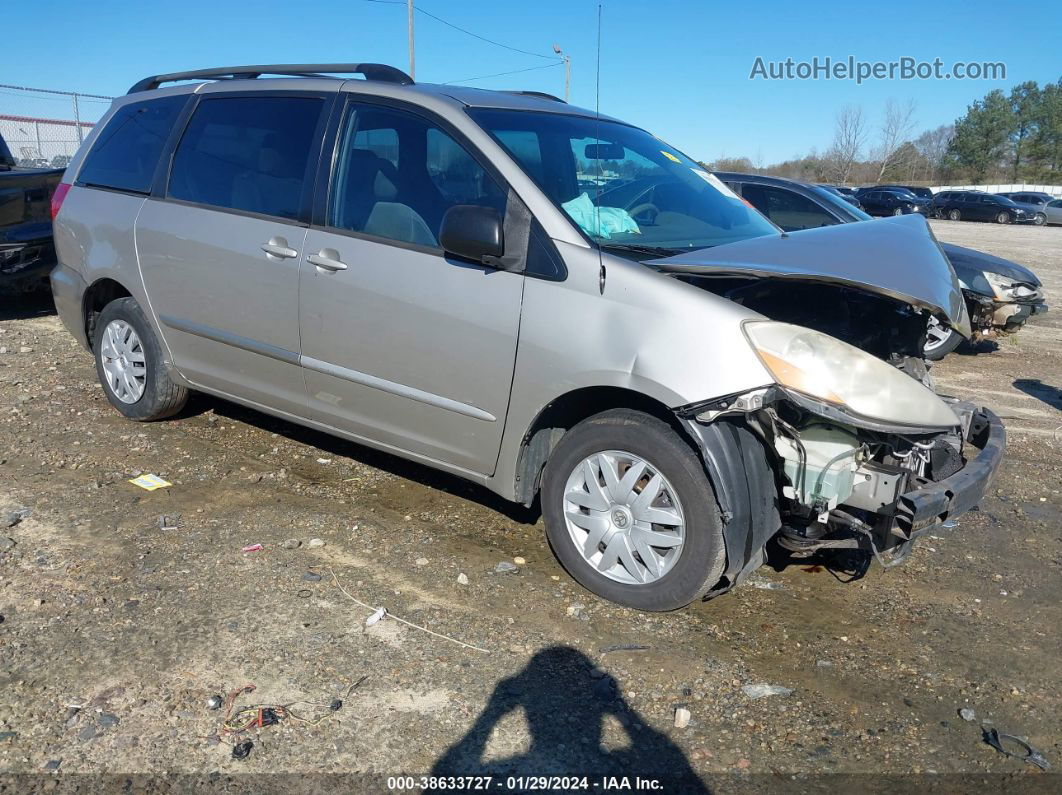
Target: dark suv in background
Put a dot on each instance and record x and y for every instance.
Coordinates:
(891, 201)
(1032, 201)
(976, 205)
(26, 250)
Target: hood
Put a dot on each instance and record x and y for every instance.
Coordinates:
(968, 259)
(896, 257)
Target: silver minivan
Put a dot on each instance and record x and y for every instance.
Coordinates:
(549, 302)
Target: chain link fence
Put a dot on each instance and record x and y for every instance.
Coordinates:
(44, 127)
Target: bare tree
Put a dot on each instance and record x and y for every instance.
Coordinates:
(849, 135)
(896, 128)
(933, 144)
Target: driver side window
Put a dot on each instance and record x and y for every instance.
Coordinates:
(397, 174)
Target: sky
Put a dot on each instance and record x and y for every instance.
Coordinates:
(677, 68)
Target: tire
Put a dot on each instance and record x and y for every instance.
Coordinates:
(898, 211)
(940, 342)
(159, 396)
(954, 215)
(1003, 218)
(698, 562)
(1039, 219)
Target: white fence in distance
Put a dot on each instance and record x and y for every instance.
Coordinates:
(1015, 187)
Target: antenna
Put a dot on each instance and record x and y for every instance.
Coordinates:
(597, 135)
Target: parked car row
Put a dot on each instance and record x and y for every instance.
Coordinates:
(551, 303)
(1021, 207)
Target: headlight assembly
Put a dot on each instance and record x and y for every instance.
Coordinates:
(825, 368)
(1001, 286)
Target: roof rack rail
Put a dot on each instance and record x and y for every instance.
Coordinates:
(539, 94)
(370, 71)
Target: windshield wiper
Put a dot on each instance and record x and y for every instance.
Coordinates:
(637, 248)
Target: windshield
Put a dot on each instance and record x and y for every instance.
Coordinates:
(837, 201)
(627, 191)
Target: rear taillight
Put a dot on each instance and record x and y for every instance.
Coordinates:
(57, 197)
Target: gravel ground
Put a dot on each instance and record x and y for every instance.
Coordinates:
(117, 626)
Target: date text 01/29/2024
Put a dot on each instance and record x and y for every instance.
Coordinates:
(524, 783)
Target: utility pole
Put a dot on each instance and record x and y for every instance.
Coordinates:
(412, 69)
(567, 70)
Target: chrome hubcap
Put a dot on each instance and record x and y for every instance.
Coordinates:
(624, 517)
(122, 357)
(936, 334)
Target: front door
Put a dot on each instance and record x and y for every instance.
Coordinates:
(403, 345)
(220, 252)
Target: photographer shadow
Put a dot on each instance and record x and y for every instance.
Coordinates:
(566, 709)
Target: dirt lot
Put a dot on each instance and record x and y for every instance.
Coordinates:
(115, 630)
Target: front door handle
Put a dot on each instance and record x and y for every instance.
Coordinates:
(278, 247)
(328, 259)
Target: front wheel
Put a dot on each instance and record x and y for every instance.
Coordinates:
(130, 366)
(1039, 219)
(940, 340)
(954, 215)
(1003, 218)
(630, 513)
(898, 211)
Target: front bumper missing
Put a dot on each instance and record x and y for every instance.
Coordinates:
(918, 506)
(935, 503)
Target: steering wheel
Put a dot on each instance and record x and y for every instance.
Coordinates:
(645, 207)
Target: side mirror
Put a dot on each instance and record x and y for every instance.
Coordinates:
(472, 232)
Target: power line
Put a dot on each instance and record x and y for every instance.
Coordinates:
(502, 74)
(420, 10)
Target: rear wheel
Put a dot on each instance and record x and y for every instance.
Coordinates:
(130, 365)
(940, 340)
(954, 215)
(630, 513)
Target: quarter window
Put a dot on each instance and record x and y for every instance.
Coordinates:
(403, 198)
(127, 150)
(247, 153)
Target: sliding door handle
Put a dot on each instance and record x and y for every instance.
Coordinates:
(328, 260)
(278, 247)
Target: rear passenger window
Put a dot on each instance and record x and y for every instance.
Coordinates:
(247, 153)
(127, 149)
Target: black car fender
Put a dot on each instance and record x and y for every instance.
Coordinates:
(746, 487)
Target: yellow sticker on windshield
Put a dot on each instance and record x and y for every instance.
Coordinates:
(670, 156)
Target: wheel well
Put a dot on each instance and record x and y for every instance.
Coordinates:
(97, 296)
(565, 413)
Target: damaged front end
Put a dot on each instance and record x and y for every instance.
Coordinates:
(874, 285)
(837, 482)
(1000, 295)
(860, 456)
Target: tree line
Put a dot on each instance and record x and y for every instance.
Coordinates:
(1015, 137)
